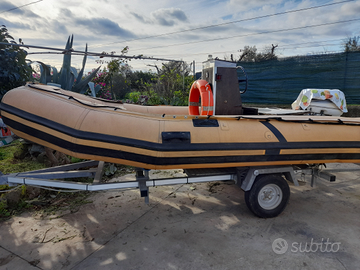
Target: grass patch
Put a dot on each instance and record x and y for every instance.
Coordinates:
(6, 210)
(13, 159)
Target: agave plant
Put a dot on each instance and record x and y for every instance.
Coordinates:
(66, 77)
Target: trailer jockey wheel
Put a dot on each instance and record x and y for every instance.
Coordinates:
(268, 196)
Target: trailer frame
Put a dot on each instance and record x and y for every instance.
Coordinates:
(244, 177)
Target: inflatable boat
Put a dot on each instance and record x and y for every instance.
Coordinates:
(215, 131)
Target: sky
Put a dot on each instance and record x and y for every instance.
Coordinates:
(180, 30)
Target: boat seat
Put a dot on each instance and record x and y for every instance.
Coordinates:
(250, 111)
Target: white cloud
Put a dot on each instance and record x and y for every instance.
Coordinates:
(163, 17)
(169, 16)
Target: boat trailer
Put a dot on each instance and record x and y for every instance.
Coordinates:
(266, 188)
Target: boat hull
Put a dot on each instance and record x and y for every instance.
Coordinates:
(164, 138)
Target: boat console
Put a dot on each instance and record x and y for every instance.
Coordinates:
(227, 87)
(223, 78)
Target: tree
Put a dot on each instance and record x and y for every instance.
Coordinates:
(14, 71)
(115, 75)
(352, 44)
(268, 54)
(173, 83)
(140, 80)
(250, 54)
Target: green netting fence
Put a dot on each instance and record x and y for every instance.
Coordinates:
(280, 81)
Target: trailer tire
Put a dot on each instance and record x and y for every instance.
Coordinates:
(268, 196)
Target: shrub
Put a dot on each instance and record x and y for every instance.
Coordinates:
(14, 71)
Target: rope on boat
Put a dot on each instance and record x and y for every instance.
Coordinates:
(75, 99)
(335, 122)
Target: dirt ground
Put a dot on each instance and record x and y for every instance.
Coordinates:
(198, 226)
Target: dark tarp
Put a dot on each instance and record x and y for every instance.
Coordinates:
(280, 81)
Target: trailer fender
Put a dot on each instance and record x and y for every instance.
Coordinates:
(253, 172)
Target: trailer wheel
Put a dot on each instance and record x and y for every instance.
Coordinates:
(268, 196)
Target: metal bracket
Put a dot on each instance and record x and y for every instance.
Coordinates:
(99, 172)
(317, 173)
(142, 176)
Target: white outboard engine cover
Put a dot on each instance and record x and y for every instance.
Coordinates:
(323, 107)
